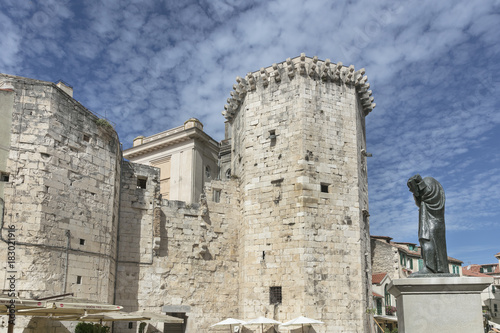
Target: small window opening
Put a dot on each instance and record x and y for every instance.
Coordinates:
(275, 295)
(272, 137)
(228, 173)
(78, 279)
(4, 177)
(324, 188)
(82, 241)
(86, 138)
(207, 172)
(141, 182)
(130, 325)
(216, 195)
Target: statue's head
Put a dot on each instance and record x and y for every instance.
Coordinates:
(416, 185)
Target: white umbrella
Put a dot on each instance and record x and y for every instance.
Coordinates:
(230, 322)
(261, 321)
(302, 321)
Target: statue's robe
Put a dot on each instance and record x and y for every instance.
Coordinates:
(431, 226)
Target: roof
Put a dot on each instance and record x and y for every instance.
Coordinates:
(377, 295)
(387, 238)
(466, 272)
(475, 268)
(403, 246)
(378, 277)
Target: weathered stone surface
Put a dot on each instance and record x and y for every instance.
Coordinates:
(289, 212)
(63, 191)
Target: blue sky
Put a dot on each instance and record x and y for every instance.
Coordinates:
(433, 67)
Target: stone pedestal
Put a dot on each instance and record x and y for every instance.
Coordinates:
(439, 304)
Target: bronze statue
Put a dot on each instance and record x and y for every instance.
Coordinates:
(429, 197)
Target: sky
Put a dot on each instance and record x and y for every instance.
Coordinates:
(149, 65)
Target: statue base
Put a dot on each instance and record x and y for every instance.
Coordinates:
(439, 304)
(432, 275)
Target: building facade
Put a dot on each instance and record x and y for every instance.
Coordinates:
(280, 230)
(491, 295)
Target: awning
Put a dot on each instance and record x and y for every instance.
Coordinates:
(388, 318)
(151, 316)
(26, 307)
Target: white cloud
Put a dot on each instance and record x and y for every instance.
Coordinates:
(149, 66)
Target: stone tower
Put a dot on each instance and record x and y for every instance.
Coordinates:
(298, 150)
(61, 170)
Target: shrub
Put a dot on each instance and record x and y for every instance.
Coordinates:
(103, 123)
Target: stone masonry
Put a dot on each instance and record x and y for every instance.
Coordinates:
(283, 233)
(62, 196)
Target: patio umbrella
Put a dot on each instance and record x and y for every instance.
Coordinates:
(261, 321)
(152, 316)
(230, 322)
(302, 321)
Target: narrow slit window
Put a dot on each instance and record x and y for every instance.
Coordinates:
(272, 137)
(78, 279)
(275, 296)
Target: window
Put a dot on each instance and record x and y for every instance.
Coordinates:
(387, 296)
(493, 289)
(275, 295)
(495, 307)
(411, 247)
(164, 166)
(82, 241)
(228, 173)
(402, 258)
(216, 195)
(207, 172)
(78, 279)
(272, 137)
(141, 182)
(4, 177)
(86, 138)
(324, 188)
(410, 263)
(130, 325)
(420, 264)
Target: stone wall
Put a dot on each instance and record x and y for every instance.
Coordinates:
(194, 266)
(62, 195)
(297, 141)
(385, 258)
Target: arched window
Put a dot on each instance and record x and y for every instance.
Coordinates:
(207, 172)
(387, 297)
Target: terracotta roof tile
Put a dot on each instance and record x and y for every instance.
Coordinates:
(467, 272)
(378, 277)
(377, 295)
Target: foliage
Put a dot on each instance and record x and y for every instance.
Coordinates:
(91, 328)
(103, 123)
